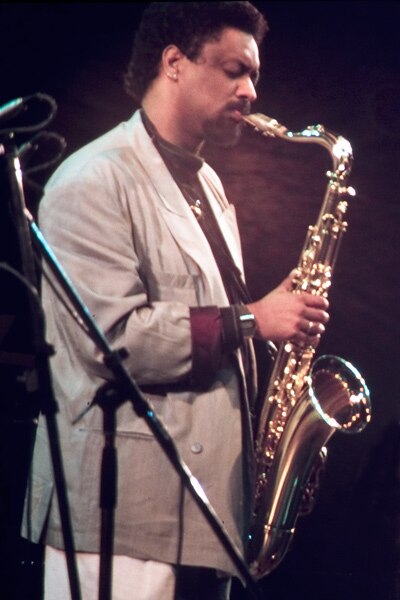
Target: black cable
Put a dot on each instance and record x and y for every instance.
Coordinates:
(23, 105)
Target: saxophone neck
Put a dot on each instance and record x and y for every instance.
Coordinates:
(338, 146)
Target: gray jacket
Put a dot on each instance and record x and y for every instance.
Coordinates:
(129, 242)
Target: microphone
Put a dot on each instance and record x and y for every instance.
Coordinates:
(11, 108)
(27, 150)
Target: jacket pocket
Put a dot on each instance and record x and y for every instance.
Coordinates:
(173, 287)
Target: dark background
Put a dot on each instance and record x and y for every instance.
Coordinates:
(335, 63)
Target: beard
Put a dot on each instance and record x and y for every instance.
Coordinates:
(223, 131)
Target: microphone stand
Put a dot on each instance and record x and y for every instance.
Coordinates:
(108, 400)
(10, 166)
(125, 388)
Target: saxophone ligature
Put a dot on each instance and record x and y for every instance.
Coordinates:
(307, 400)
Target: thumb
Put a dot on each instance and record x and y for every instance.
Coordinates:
(287, 283)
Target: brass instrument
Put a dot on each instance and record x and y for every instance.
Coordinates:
(305, 402)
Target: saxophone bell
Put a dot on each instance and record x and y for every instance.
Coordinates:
(335, 398)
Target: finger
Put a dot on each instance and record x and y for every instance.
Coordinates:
(287, 283)
(314, 340)
(315, 301)
(294, 273)
(312, 328)
(317, 316)
(305, 341)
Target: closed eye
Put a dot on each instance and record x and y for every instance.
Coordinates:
(240, 72)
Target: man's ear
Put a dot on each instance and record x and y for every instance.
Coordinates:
(171, 61)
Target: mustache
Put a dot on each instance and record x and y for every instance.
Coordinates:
(242, 106)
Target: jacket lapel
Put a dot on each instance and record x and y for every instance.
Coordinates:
(178, 215)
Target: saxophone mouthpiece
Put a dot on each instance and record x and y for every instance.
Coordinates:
(266, 125)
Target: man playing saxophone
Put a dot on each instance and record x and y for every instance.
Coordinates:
(144, 230)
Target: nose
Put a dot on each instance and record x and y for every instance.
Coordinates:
(246, 89)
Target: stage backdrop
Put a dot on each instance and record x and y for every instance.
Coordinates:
(335, 63)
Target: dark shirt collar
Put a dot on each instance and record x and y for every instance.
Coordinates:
(182, 163)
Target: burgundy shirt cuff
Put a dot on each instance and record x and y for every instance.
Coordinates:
(214, 332)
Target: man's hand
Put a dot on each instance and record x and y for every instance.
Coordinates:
(284, 315)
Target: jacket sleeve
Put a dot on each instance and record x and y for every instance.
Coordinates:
(168, 337)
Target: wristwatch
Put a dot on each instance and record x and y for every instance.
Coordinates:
(247, 320)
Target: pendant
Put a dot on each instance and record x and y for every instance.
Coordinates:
(196, 209)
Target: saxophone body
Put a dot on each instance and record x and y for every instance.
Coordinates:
(307, 400)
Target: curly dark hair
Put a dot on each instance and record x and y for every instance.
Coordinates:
(188, 25)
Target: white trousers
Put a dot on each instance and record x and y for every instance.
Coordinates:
(132, 579)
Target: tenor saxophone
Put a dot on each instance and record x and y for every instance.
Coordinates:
(307, 400)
